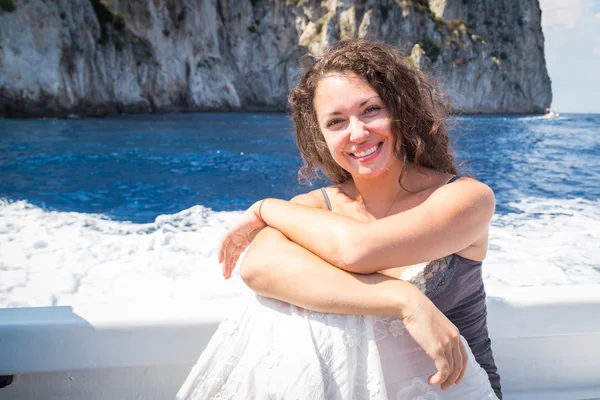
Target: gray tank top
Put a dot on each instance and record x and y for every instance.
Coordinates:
(455, 285)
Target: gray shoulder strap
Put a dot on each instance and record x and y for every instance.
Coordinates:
(326, 197)
(455, 177)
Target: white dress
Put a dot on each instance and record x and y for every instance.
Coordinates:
(274, 350)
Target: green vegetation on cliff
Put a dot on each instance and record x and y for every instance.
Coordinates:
(7, 5)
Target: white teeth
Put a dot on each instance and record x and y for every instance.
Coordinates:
(366, 152)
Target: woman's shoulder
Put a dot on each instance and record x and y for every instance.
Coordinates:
(462, 196)
(314, 198)
(437, 190)
(464, 187)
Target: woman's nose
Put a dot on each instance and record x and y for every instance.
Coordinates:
(358, 130)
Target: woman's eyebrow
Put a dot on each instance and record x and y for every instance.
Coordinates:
(367, 100)
(339, 112)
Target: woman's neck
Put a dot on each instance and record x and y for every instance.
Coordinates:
(378, 196)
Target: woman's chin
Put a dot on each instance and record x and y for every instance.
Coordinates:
(368, 172)
(372, 171)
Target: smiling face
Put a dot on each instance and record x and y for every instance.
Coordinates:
(356, 125)
(412, 123)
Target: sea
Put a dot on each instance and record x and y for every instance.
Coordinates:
(129, 209)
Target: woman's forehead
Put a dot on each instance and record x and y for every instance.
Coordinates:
(346, 79)
(338, 90)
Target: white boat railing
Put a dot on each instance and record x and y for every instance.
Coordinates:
(546, 342)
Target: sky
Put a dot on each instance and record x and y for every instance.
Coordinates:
(572, 45)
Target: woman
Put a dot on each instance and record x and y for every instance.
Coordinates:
(405, 240)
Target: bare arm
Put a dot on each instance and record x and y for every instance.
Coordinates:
(278, 268)
(453, 218)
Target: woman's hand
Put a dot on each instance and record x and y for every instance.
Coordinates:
(238, 237)
(437, 336)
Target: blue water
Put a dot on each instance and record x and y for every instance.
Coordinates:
(135, 168)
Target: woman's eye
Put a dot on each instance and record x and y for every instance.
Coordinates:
(333, 122)
(372, 108)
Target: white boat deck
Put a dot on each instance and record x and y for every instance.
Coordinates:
(546, 343)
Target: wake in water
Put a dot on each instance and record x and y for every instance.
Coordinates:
(543, 118)
(548, 242)
(69, 258)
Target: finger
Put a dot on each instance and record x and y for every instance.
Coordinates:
(465, 358)
(225, 251)
(443, 370)
(447, 382)
(222, 257)
(222, 248)
(228, 255)
(235, 256)
(224, 260)
(233, 253)
(220, 252)
(456, 368)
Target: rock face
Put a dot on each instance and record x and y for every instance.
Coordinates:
(517, 81)
(91, 57)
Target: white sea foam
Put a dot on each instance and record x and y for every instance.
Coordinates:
(542, 118)
(68, 258)
(550, 242)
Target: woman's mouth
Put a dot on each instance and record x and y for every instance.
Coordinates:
(367, 153)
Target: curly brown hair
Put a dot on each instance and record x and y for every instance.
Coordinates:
(418, 111)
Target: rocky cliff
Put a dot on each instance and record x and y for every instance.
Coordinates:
(93, 57)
